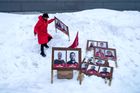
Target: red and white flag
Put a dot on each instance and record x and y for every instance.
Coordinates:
(75, 43)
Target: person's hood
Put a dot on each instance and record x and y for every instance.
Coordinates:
(40, 17)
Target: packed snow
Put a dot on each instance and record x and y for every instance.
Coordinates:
(23, 70)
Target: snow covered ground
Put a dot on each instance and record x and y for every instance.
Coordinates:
(23, 70)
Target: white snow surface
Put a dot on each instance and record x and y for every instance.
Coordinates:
(23, 70)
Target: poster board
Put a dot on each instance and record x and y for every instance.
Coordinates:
(91, 44)
(89, 60)
(106, 72)
(61, 26)
(65, 59)
(101, 62)
(105, 53)
(92, 69)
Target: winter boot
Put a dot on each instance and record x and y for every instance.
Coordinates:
(43, 54)
(42, 50)
(46, 46)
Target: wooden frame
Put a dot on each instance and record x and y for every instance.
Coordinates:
(89, 60)
(106, 54)
(99, 53)
(64, 63)
(101, 62)
(61, 26)
(84, 64)
(110, 54)
(92, 69)
(91, 44)
(95, 68)
(59, 59)
(106, 73)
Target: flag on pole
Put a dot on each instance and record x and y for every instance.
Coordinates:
(75, 43)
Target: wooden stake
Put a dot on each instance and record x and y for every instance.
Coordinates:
(110, 81)
(80, 77)
(116, 64)
(52, 76)
(105, 80)
(69, 38)
(52, 65)
(55, 30)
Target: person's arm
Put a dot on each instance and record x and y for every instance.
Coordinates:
(51, 20)
(37, 27)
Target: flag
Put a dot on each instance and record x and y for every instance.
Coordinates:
(75, 43)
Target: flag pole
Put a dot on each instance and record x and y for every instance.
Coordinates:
(55, 25)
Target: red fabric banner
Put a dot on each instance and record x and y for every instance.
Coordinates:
(75, 43)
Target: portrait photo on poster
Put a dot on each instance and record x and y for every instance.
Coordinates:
(92, 70)
(99, 52)
(61, 26)
(93, 67)
(59, 57)
(99, 61)
(105, 72)
(91, 60)
(110, 54)
(102, 44)
(92, 44)
(72, 57)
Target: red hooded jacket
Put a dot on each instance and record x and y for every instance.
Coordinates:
(41, 30)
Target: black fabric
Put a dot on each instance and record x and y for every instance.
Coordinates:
(49, 38)
(42, 54)
(44, 45)
(46, 15)
(42, 48)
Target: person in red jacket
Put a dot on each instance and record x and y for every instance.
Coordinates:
(41, 30)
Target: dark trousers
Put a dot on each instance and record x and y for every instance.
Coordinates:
(44, 45)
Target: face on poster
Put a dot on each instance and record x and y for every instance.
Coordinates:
(109, 53)
(92, 44)
(93, 67)
(99, 52)
(105, 70)
(61, 26)
(59, 55)
(99, 61)
(72, 57)
(102, 44)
